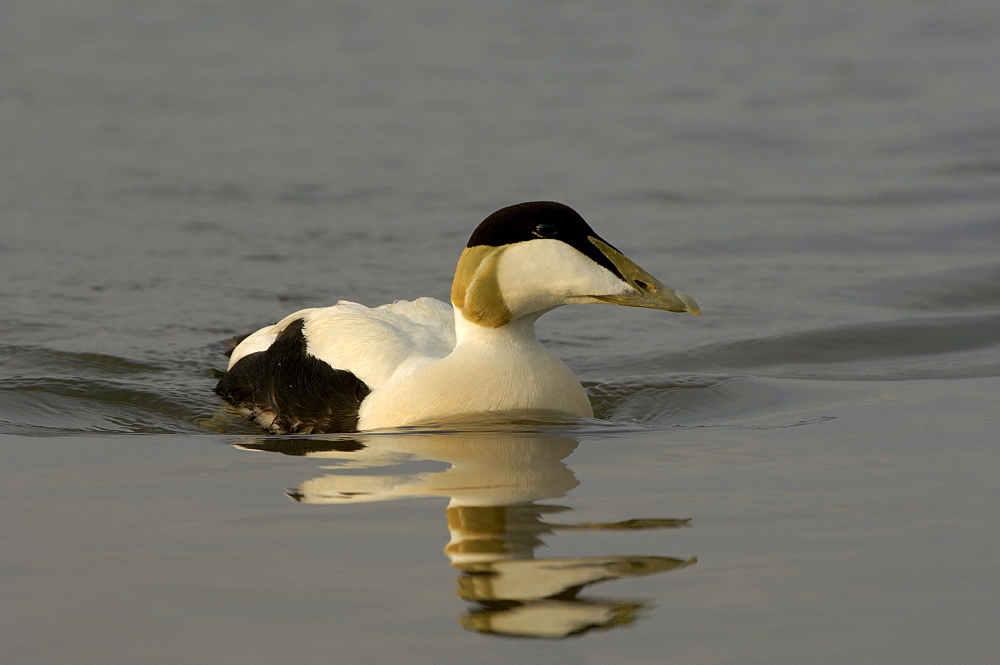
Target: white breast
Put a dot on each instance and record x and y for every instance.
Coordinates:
(490, 370)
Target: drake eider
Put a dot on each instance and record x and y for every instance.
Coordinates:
(348, 367)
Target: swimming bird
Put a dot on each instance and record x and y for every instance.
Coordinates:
(348, 367)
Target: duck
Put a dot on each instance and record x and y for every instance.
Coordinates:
(349, 368)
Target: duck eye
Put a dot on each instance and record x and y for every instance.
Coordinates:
(545, 230)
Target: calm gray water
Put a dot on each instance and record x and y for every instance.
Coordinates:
(805, 474)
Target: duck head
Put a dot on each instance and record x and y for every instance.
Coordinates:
(532, 257)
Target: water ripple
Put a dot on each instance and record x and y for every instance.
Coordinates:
(743, 381)
(945, 347)
(47, 391)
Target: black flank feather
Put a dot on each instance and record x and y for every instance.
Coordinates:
(287, 391)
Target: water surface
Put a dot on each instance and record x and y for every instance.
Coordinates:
(806, 473)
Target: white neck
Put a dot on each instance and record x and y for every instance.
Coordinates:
(519, 332)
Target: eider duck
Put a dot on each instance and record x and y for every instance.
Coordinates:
(347, 367)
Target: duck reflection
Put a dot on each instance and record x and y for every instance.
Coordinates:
(494, 480)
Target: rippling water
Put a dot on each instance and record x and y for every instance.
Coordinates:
(803, 474)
